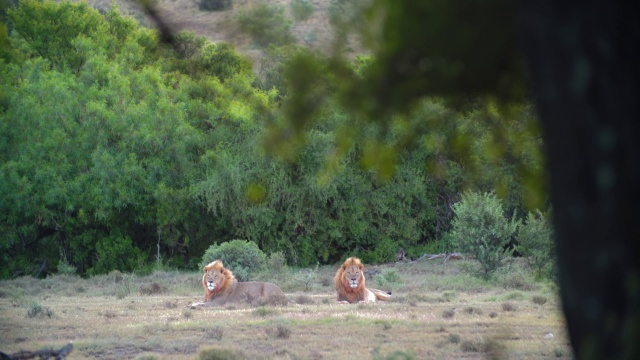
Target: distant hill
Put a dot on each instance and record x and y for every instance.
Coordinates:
(216, 26)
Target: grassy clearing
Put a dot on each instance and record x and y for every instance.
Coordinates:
(437, 311)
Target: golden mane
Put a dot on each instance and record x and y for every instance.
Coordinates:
(345, 292)
(352, 269)
(228, 282)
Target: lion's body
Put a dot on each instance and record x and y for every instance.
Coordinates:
(350, 284)
(222, 288)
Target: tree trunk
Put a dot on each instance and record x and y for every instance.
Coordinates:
(584, 62)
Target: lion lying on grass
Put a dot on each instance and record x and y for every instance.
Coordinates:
(350, 285)
(222, 288)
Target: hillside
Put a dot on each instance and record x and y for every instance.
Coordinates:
(217, 26)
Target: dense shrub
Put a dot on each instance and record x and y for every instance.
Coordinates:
(242, 257)
(272, 68)
(220, 354)
(39, 311)
(302, 9)
(214, 5)
(117, 253)
(388, 278)
(222, 60)
(535, 243)
(138, 150)
(65, 268)
(277, 263)
(481, 229)
(384, 252)
(514, 276)
(266, 24)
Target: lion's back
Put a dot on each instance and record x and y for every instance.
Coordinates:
(259, 288)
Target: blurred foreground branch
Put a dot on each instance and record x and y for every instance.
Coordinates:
(42, 354)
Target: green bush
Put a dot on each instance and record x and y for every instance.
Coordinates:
(480, 229)
(39, 311)
(65, 268)
(220, 354)
(188, 45)
(214, 5)
(535, 242)
(385, 251)
(223, 61)
(302, 9)
(266, 24)
(277, 263)
(388, 277)
(116, 253)
(242, 257)
(272, 68)
(514, 277)
(306, 277)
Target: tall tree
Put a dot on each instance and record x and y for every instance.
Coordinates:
(583, 59)
(585, 64)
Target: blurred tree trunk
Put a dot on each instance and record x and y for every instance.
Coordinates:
(584, 61)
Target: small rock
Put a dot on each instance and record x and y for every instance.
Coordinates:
(548, 336)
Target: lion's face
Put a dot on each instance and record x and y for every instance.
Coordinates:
(214, 279)
(352, 276)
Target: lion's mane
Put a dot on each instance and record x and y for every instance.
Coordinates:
(360, 293)
(230, 279)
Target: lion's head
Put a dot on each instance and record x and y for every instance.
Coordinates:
(350, 284)
(349, 279)
(216, 279)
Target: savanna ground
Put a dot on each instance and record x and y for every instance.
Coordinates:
(437, 311)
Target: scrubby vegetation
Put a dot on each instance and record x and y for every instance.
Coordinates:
(121, 152)
(481, 229)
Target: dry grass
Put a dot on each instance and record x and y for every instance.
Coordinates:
(161, 326)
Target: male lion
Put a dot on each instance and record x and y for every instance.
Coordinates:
(350, 286)
(222, 288)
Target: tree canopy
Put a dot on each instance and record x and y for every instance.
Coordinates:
(122, 152)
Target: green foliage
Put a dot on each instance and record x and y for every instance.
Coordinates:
(481, 230)
(306, 277)
(302, 9)
(223, 61)
(51, 30)
(188, 45)
(215, 5)
(65, 268)
(266, 24)
(376, 354)
(388, 278)
(120, 152)
(535, 239)
(38, 311)
(384, 252)
(219, 354)
(272, 66)
(513, 276)
(277, 263)
(242, 257)
(117, 253)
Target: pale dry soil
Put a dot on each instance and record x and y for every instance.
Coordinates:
(426, 320)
